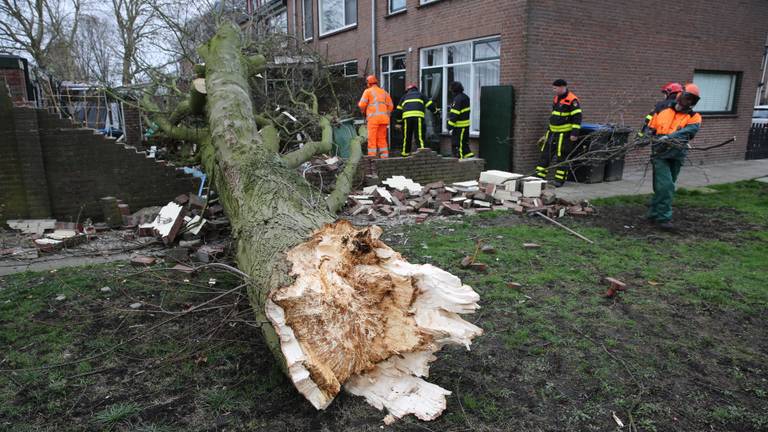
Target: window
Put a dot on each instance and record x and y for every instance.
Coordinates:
(396, 6)
(473, 63)
(718, 91)
(307, 18)
(393, 75)
(278, 22)
(346, 69)
(423, 2)
(337, 15)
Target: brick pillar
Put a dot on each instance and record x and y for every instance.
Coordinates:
(30, 155)
(13, 195)
(132, 127)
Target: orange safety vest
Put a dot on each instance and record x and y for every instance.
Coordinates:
(669, 121)
(377, 105)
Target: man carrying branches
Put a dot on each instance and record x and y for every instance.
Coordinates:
(671, 129)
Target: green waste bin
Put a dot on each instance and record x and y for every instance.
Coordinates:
(342, 135)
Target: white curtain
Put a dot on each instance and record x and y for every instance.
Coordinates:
(717, 90)
(486, 74)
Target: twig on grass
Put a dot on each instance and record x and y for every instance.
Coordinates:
(115, 347)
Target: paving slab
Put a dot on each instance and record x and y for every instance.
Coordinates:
(639, 182)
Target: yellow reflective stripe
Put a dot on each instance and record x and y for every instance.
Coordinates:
(428, 104)
(560, 145)
(460, 123)
(648, 117)
(409, 114)
(461, 144)
(400, 107)
(566, 113)
(412, 100)
(575, 125)
(464, 110)
(560, 128)
(404, 152)
(455, 111)
(421, 137)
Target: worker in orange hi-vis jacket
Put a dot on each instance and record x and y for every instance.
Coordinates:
(376, 105)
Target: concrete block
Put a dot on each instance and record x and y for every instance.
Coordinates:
(531, 186)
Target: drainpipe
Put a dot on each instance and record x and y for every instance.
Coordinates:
(762, 88)
(293, 19)
(373, 37)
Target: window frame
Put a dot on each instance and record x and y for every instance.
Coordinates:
(271, 20)
(469, 90)
(427, 2)
(343, 65)
(391, 11)
(344, 13)
(734, 96)
(304, 20)
(385, 76)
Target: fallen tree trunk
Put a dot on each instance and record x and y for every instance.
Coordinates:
(345, 309)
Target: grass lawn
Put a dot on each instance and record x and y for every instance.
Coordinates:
(685, 348)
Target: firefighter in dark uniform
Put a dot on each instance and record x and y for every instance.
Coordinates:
(564, 125)
(409, 114)
(670, 91)
(458, 122)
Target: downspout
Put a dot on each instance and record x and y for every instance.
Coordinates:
(761, 89)
(373, 37)
(293, 19)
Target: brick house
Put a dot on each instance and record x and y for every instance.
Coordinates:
(615, 55)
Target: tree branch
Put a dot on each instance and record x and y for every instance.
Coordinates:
(271, 138)
(345, 180)
(298, 157)
(172, 131)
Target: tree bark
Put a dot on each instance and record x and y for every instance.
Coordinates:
(343, 307)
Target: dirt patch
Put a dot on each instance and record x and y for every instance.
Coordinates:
(706, 223)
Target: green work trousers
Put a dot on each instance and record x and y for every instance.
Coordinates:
(665, 172)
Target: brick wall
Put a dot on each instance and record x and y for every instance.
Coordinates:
(424, 166)
(616, 57)
(62, 172)
(438, 23)
(132, 127)
(13, 197)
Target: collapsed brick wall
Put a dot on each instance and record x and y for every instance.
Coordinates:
(63, 172)
(424, 166)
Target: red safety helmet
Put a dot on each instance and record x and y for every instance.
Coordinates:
(690, 95)
(371, 80)
(411, 86)
(671, 88)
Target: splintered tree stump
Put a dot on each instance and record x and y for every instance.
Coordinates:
(346, 310)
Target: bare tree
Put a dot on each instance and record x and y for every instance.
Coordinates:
(94, 49)
(135, 21)
(44, 29)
